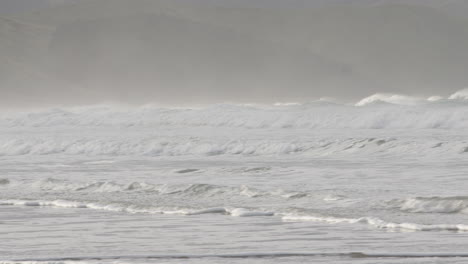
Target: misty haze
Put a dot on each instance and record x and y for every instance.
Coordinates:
(233, 131)
(142, 51)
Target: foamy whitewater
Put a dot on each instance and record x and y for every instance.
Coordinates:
(380, 181)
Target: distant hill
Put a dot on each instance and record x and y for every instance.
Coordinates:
(178, 51)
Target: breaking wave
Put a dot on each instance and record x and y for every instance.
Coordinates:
(155, 198)
(240, 129)
(457, 204)
(199, 192)
(190, 190)
(182, 146)
(236, 212)
(379, 223)
(460, 95)
(378, 111)
(133, 209)
(392, 99)
(155, 146)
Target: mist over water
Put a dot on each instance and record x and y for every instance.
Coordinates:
(186, 52)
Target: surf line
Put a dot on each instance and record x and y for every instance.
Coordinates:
(253, 255)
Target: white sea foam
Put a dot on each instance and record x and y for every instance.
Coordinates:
(235, 212)
(418, 113)
(379, 223)
(460, 95)
(56, 203)
(242, 212)
(60, 187)
(435, 98)
(391, 99)
(114, 131)
(349, 166)
(166, 146)
(132, 209)
(44, 262)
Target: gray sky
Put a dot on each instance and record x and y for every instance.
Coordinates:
(17, 6)
(214, 50)
(11, 6)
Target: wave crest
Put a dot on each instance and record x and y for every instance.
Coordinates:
(434, 112)
(183, 146)
(379, 223)
(460, 95)
(397, 99)
(457, 204)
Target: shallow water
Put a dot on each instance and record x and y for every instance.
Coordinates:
(235, 184)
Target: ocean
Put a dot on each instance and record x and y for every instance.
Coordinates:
(383, 181)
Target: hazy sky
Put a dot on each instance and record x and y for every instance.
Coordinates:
(12, 6)
(15, 6)
(158, 50)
